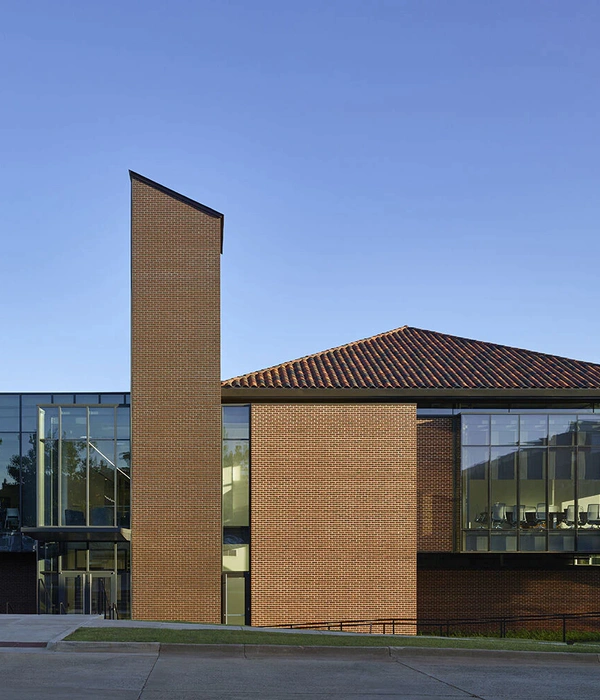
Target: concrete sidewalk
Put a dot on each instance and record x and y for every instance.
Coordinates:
(49, 632)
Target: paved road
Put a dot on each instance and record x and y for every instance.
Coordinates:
(33, 674)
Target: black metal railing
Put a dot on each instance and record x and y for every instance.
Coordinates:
(569, 627)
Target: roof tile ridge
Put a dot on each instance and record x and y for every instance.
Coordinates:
(316, 354)
(504, 346)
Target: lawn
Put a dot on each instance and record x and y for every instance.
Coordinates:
(223, 636)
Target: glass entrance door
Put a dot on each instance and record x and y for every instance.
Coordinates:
(87, 593)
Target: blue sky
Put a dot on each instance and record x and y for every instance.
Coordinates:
(379, 163)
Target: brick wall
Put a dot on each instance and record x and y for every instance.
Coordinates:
(175, 408)
(435, 469)
(489, 593)
(18, 583)
(333, 512)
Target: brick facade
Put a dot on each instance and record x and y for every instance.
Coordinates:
(333, 512)
(175, 407)
(489, 593)
(435, 479)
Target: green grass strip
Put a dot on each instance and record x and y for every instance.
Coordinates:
(223, 636)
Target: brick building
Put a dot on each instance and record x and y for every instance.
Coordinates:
(409, 475)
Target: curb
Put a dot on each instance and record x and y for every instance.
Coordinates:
(257, 651)
(106, 647)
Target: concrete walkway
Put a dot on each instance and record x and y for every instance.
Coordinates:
(49, 631)
(39, 630)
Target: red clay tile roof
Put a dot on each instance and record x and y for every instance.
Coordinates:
(411, 358)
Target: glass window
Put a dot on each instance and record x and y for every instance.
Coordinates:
(503, 483)
(123, 483)
(475, 430)
(505, 430)
(102, 556)
(588, 432)
(123, 423)
(9, 412)
(29, 413)
(111, 398)
(29, 478)
(102, 483)
(536, 487)
(532, 513)
(236, 473)
(86, 398)
(74, 557)
(73, 470)
(561, 484)
(534, 430)
(74, 425)
(62, 398)
(475, 464)
(102, 423)
(562, 430)
(236, 557)
(588, 487)
(10, 465)
(236, 422)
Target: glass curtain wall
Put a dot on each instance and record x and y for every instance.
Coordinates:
(236, 512)
(83, 467)
(530, 482)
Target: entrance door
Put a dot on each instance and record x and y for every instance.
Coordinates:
(83, 593)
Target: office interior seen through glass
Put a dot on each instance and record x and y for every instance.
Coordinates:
(530, 482)
(65, 494)
(236, 514)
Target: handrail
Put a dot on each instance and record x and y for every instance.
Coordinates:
(390, 625)
(46, 594)
(8, 605)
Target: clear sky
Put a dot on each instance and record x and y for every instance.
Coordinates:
(434, 163)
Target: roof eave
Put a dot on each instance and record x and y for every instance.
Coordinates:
(269, 394)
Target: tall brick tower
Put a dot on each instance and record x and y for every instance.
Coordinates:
(175, 405)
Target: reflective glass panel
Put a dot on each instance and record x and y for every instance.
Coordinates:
(123, 483)
(73, 482)
(236, 557)
(10, 513)
(102, 483)
(236, 422)
(589, 431)
(588, 491)
(29, 414)
(86, 398)
(562, 430)
(123, 423)
(533, 509)
(475, 430)
(236, 472)
(29, 478)
(9, 412)
(74, 424)
(102, 556)
(475, 487)
(102, 422)
(561, 485)
(533, 430)
(503, 486)
(111, 398)
(505, 430)
(235, 600)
